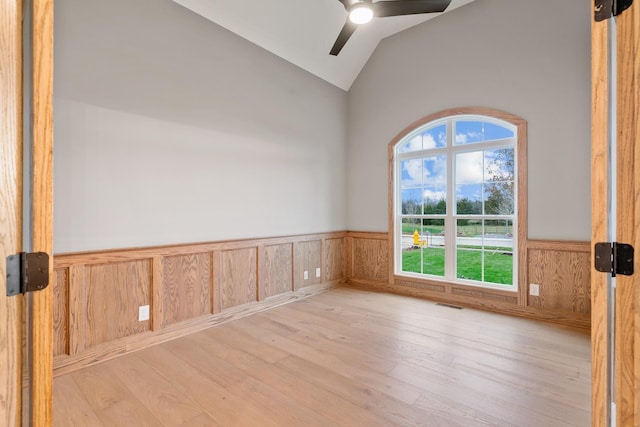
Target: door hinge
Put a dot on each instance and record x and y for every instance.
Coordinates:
(614, 258)
(27, 272)
(604, 9)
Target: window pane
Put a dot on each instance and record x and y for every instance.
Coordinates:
(434, 228)
(469, 249)
(493, 131)
(499, 164)
(409, 227)
(499, 176)
(435, 137)
(468, 228)
(469, 199)
(498, 266)
(412, 201)
(469, 264)
(414, 144)
(498, 255)
(472, 131)
(484, 250)
(499, 229)
(469, 234)
(422, 246)
(433, 261)
(411, 173)
(412, 261)
(425, 260)
(411, 255)
(468, 132)
(469, 168)
(435, 200)
(435, 171)
(498, 198)
(434, 192)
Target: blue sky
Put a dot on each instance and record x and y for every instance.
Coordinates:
(426, 177)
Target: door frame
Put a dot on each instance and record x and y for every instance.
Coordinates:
(600, 394)
(14, 325)
(11, 308)
(624, 54)
(41, 313)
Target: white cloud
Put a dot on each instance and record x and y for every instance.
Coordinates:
(425, 141)
(469, 168)
(413, 169)
(428, 141)
(435, 170)
(434, 195)
(467, 137)
(415, 144)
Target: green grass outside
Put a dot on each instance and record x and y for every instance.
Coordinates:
(498, 267)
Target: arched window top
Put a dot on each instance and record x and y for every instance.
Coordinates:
(464, 129)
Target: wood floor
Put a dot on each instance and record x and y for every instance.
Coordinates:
(344, 358)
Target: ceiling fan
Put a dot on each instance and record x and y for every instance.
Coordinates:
(362, 11)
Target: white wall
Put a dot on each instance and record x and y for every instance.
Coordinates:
(170, 129)
(529, 58)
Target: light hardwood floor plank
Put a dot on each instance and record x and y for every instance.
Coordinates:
(345, 357)
(128, 412)
(155, 392)
(73, 410)
(275, 405)
(348, 367)
(224, 407)
(315, 398)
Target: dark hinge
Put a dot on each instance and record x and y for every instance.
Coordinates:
(604, 9)
(614, 258)
(27, 272)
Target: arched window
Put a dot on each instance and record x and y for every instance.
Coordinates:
(459, 202)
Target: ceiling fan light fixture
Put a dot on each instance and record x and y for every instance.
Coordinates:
(360, 14)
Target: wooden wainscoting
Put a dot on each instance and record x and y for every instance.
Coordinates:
(97, 295)
(237, 278)
(276, 270)
(108, 314)
(369, 257)
(186, 288)
(562, 269)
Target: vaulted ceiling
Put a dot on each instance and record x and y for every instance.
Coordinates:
(303, 31)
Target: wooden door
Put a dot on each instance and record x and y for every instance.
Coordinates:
(615, 110)
(13, 310)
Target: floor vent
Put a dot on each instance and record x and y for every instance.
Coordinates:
(449, 305)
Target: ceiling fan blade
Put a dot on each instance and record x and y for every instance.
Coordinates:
(408, 7)
(346, 32)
